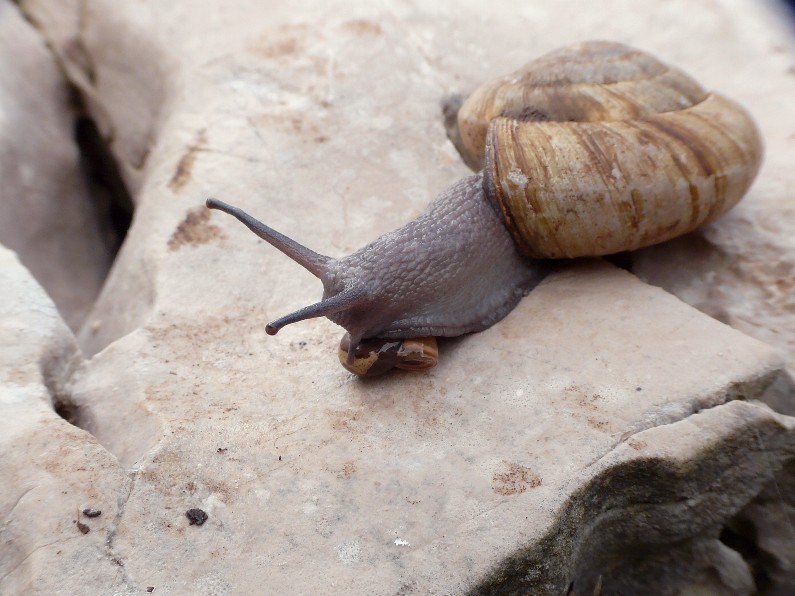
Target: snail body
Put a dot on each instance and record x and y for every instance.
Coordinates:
(590, 150)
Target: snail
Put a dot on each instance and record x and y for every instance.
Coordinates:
(589, 150)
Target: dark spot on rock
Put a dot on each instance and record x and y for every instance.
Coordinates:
(88, 512)
(182, 174)
(348, 470)
(516, 480)
(195, 229)
(282, 48)
(150, 589)
(196, 517)
(83, 528)
(66, 410)
(364, 27)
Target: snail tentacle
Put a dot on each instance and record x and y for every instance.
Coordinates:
(345, 300)
(313, 262)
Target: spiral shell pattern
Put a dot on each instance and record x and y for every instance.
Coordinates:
(599, 148)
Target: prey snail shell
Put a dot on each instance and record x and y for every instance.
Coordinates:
(590, 150)
(376, 356)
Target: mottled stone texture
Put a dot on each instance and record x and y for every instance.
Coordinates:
(46, 213)
(605, 435)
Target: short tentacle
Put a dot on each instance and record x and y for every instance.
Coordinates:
(345, 300)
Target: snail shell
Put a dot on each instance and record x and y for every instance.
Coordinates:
(600, 148)
(376, 356)
(590, 150)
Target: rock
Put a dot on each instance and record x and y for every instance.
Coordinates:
(601, 435)
(741, 270)
(51, 470)
(764, 534)
(46, 213)
(612, 449)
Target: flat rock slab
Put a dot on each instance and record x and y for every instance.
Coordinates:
(603, 415)
(605, 436)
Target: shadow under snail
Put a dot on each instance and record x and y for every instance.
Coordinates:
(589, 150)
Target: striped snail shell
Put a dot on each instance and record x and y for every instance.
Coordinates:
(590, 150)
(599, 148)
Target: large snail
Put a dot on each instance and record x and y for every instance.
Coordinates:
(590, 150)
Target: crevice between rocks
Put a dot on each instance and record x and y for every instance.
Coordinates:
(125, 495)
(58, 364)
(86, 207)
(752, 389)
(109, 196)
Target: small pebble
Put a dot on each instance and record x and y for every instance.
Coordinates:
(196, 517)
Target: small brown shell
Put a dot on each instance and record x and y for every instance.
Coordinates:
(599, 148)
(376, 355)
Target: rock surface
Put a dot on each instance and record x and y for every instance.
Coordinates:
(46, 214)
(405, 483)
(51, 470)
(603, 418)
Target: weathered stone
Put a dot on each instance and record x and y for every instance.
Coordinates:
(409, 480)
(46, 214)
(601, 435)
(741, 270)
(764, 533)
(51, 470)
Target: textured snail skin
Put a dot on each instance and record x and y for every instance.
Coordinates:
(453, 270)
(589, 150)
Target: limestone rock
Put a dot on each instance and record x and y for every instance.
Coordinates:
(46, 214)
(601, 435)
(51, 470)
(409, 482)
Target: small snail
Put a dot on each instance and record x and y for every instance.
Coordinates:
(590, 150)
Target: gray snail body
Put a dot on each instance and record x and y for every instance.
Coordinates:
(590, 150)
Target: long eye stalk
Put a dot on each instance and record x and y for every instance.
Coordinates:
(313, 262)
